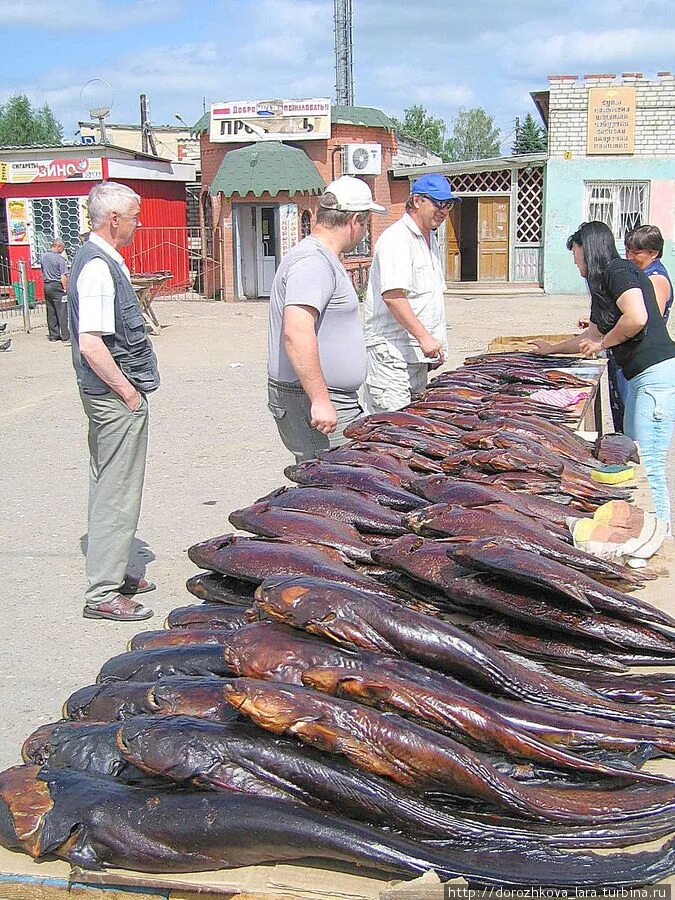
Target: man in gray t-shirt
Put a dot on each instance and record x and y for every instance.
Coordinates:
(55, 278)
(317, 354)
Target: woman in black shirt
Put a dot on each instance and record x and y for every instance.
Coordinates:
(625, 318)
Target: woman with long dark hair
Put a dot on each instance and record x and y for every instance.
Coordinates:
(626, 319)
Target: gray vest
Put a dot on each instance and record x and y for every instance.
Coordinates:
(129, 346)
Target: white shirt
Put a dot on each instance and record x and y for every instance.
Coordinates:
(96, 291)
(404, 261)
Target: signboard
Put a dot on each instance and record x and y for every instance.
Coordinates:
(38, 171)
(17, 222)
(242, 121)
(288, 227)
(611, 120)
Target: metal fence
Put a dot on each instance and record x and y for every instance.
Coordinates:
(11, 294)
(189, 254)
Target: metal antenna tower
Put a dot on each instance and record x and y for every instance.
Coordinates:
(344, 75)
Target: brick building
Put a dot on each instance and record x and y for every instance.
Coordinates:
(260, 197)
(611, 157)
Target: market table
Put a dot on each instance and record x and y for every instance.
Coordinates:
(147, 285)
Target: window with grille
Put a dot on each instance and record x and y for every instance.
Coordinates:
(306, 224)
(621, 205)
(363, 246)
(54, 217)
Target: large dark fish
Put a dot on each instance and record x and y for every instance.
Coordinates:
(563, 729)
(94, 823)
(455, 492)
(298, 527)
(533, 606)
(119, 700)
(256, 559)
(217, 615)
(472, 524)
(501, 556)
(399, 419)
(150, 665)
(247, 759)
(353, 507)
(376, 484)
(415, 461)
(277, 653)
(181, 637)
(433, 446)
(89, 747)
(347, 617)
(542, 644)
(445, 704)
(657, 687)
(350, 455)
(495, 461)
(214, 588)
(411, 755)
(492, 437)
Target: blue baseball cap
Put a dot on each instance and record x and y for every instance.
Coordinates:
(434, 185)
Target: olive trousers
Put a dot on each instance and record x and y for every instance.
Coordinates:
(118, 442)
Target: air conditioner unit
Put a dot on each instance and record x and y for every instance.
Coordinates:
(361, 159)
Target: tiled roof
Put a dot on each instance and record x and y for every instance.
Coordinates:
(267, 166)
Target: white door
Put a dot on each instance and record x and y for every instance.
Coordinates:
(266, 248)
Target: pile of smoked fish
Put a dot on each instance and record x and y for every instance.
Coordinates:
(404, 664)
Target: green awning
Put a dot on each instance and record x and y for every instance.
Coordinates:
(267, 166)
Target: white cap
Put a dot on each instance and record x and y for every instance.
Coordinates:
(352, 195)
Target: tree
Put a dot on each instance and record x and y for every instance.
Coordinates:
(530, 137)
(420, 126)
(474, 136)
(21, 125)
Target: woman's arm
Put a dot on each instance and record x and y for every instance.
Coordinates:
(571, 345)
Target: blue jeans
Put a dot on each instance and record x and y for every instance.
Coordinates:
(649, 418)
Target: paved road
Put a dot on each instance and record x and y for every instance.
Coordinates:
(213, 448)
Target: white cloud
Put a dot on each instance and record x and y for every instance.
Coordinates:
(86, 15)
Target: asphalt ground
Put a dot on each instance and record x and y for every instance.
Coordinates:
(213, 448)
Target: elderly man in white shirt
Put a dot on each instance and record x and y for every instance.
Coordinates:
(405, 327)
(116, 368)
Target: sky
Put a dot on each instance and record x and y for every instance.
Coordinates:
(441, 54)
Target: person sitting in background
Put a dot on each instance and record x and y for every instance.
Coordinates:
(626, 318)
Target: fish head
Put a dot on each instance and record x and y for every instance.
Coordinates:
(37, 747)
(292, 599)
(273, 706)
(175, 747)
(401, 547)
(77, 705)
(25, 801)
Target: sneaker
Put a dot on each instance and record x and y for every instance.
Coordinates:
(6, 346)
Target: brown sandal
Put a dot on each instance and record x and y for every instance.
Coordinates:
(119, 609)
(133, 586)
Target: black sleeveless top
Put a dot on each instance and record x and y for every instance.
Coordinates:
(652, 344)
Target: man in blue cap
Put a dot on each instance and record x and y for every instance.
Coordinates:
(405, 328)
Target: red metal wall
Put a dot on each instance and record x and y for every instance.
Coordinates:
(161, 243)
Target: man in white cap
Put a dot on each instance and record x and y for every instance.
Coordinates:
(317, 355)
(405, 328)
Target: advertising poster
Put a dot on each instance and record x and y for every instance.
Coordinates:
(38, 171)
(288, 226)
(239, 121)
(17, 222)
